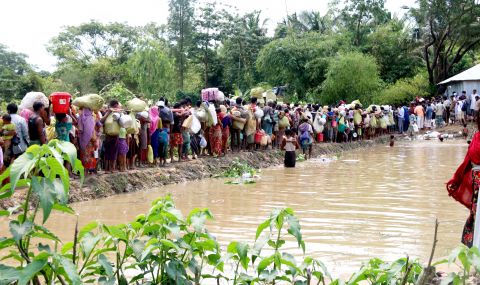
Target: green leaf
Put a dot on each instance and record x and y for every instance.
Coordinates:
(169, 244)
(265, 263)
(44, 189)
(88, 243)
(116, 232)
(21, 167)
(56, 168)
(63, 208)
(70, 270)
(103, 261)
(43, 232)
(67, 247)
(87, 228)
(18, 230)
(29, 271)
(138, 247)
(66, 148)
(262, 227)
(6, 242)
(8, 274)
(242, 249)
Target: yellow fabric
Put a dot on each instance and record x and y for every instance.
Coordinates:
(7, 128)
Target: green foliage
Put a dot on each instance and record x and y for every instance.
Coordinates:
(297, 62)
(153, 70)
(180, 29)
(117, 91)
(351, 76)
(237, 169)
(448, 30)
(394, 50)
(40, 169)
(404, 90)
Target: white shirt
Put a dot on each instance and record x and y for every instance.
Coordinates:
(401, 113)
(473, 102)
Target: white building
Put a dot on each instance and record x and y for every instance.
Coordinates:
(464, 81)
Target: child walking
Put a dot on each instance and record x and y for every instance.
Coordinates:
(289, 145)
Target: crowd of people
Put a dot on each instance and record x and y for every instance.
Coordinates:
(186, 130)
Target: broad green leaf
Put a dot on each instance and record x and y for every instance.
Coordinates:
(29, 271)
(116, 232)
(66, 148)
(18, 230)
(6, 242)
(44, 189)
(87, 228)
(294, 229)
(57, 168)
(21, 167)
(232, 247)
(88, 243)
(262, 227)
(63, 208)
(4, 213)
(8, 274)
(67, 247)
(70, 270)
(454, 254)
(103, 261)
(169, 244)
(41, 231)
(137, 246)
(265, 263)
(242, 250)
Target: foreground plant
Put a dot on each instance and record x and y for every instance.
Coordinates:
(41, 171)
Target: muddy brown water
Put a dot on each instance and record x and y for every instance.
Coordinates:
(374, 202)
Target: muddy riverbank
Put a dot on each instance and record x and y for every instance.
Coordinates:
(105, 185)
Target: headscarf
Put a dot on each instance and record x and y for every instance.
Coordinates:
(86, 125)
(460, 187)
(26, 113)
(154, 118)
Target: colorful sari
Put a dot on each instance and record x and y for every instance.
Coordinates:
(86, 139)
(216, 138)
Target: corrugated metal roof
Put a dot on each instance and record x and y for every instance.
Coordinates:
(469, 74)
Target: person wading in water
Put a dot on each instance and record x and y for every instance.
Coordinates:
(464, 187)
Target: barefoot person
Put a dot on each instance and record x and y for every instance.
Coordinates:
(464, 187)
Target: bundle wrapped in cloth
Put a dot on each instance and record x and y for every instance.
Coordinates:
(93, 102)
(32, 97)
(136, 105)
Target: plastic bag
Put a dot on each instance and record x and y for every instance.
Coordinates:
(203, 142)
(201, 115)
(213, 113)
(32, 97)
(150, 154)
(258, 113)
(125, 121)
(195, 126)
(220, 96)
(136, 105)
(134, 129)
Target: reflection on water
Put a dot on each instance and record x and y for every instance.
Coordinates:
(376, 202)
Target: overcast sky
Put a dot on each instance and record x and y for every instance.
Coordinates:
(27, 25)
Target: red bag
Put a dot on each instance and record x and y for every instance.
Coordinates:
(258, 137)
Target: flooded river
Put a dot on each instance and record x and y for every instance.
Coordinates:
(375, 202)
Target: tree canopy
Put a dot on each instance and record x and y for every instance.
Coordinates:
(345, 52)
